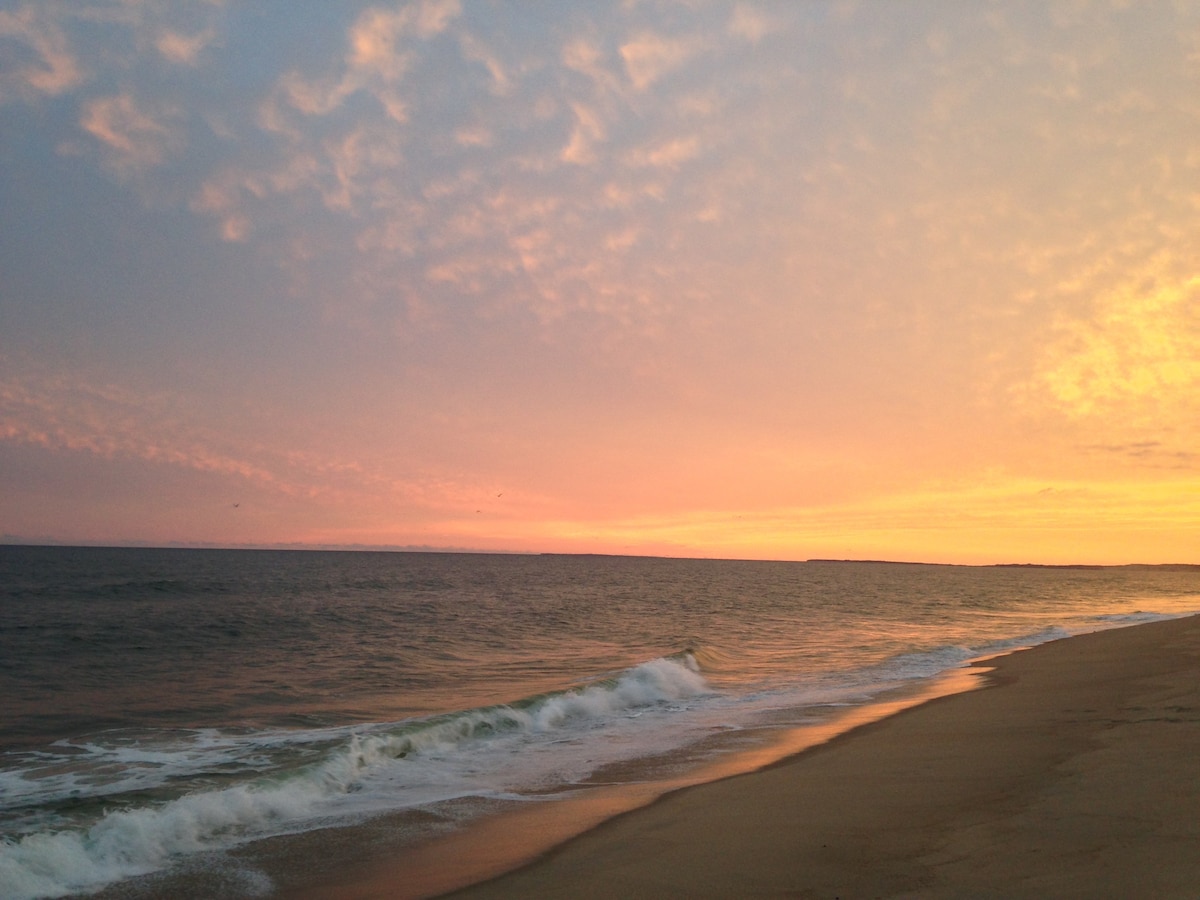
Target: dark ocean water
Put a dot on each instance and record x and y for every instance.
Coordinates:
(160, 703)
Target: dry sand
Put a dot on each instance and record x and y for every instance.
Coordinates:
(1077, 774)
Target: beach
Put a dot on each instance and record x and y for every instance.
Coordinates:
(1073, 774)
(311, 726)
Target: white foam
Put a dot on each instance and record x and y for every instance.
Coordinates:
(554, 740)
(478, 752)
(137, 841)
(1119, 620)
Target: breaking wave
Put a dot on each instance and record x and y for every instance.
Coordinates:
(143, 837)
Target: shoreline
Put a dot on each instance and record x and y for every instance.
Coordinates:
(917, 794)
(1072, 774)
(423, 854)
(523, 834)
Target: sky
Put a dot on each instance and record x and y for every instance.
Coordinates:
(913, 280)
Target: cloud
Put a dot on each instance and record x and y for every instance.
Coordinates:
(521, 231)
(476, 51)
(182, 49)
(110, 422)
(220, 197)
(749, 23)
(669, 154)
(584, 56)
(377, 59)
(1136, 358)
(67, 414)
(648, 57)
(622, 240)
(587, 132)
(310, 97)
(434, 16)
(40, 61)
(229, 193)
(375, 44)
(1152, 454)
(133, 139)
(358, 159)
(52, 48)
(474, 136)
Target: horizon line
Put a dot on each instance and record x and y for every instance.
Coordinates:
(298, 546)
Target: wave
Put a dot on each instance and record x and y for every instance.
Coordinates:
(1118, 620)
(713, 660)
(245, 786)
(930, 662)
(427, 756)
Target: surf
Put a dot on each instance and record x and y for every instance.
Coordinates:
(369, 769)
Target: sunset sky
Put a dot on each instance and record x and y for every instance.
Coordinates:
(904, 280)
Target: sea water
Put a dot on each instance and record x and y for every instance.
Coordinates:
(157, 704)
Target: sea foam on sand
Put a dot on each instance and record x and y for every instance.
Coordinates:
(1075, 775)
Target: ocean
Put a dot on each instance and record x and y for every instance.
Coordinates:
(164, 706)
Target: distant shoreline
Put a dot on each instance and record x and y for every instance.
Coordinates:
(1072, 566)
(9, 541)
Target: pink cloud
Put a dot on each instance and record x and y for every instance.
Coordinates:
(53, 70)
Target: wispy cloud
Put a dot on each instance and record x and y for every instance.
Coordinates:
(669, 154)
(750, 22)
(132, 138)
(876, 231)
(585, 135)
(476, 50)
(1136, 357)
(378, 57)
(41, 60)
(183, 49)
(1150, 453)
(648, 57)
(110, 422)
(487, 241)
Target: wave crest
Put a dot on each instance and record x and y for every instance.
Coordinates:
(143, 839)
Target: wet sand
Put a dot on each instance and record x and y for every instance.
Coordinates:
(1075, 774)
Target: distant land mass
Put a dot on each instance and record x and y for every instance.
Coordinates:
(879, 562)
(1182, 567)
(11, 540)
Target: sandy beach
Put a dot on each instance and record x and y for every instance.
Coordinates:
(1075, 774)
(1072, 771)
